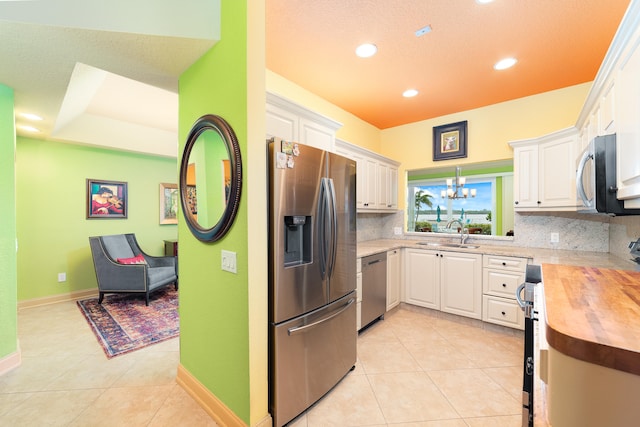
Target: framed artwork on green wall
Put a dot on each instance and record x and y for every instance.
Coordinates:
(106, 199)
(169, 203)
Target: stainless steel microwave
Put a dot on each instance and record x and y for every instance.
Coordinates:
(596, 182)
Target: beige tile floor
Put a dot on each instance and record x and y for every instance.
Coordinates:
(65, 379)
(416, 368)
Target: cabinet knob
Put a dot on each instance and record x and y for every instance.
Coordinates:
(539, 202)
(517, 202)
(504, 285)
(504, 264)
(504, 314)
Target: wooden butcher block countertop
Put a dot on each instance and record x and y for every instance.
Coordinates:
(593, 314)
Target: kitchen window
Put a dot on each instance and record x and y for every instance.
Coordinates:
(490, 212)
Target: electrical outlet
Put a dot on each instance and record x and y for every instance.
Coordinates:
(229, 261)
(397, 231)
(62, 277)
(555, 237)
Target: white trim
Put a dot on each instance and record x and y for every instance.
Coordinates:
(299, 110)
(10, 361)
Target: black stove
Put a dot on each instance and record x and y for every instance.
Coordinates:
(527, 302)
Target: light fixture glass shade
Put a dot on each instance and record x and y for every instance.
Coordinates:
(455, 188)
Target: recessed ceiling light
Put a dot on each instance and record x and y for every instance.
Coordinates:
(483, 1)
(503, 64)
(29, 128)
(409, 93)
(366, 50)
(29, 116)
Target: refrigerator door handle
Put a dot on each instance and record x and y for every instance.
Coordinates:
(299, 329)
(333, 245)
(323, 212)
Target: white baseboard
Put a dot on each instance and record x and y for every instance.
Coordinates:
(10, 362)
(69, 296)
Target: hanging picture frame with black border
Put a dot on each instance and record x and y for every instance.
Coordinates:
(450, 141)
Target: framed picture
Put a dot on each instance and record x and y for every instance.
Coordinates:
(106, 199)
(168, 203)
(192, 200)
(450, 141)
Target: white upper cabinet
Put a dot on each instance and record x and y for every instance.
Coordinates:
(545, 172)
(293, 122)
(613, 105)
(377, 178)
(628, 115)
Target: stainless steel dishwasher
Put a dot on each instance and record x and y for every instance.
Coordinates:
(374, 287)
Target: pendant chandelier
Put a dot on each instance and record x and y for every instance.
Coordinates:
(456, 190)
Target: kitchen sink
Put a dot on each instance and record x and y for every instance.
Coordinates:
(449, 245)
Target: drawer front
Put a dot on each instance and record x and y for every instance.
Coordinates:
(501, 283)
(505, 262)
(502, 311)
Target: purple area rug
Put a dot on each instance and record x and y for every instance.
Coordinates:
(123, 323)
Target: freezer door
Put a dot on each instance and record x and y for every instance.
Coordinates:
(296, 287)
(310, 355)
(342, 174)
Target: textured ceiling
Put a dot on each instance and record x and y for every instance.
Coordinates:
(558, 43)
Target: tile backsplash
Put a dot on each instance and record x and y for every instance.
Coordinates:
(598, 233)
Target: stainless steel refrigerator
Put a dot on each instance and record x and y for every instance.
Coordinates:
(312, 275)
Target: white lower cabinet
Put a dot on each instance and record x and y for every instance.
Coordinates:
(422, 274)
(461, 284)
(501, 277)
(502, 311)
(393, 278)
(446, 281)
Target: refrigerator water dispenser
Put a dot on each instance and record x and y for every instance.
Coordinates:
(297, 238)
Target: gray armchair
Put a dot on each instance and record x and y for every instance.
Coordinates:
(147, 273)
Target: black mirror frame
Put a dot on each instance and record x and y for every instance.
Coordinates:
(219, 125)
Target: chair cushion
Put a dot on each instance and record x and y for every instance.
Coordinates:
(134, 260)
(161, 275)
(117, 246)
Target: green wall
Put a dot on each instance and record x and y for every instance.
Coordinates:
(214, 318)
(52, 227)
(8, 275)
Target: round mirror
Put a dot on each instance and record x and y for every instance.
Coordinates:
(210, 178)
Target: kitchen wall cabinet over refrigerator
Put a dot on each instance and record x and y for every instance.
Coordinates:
(292, 122)
(544, 172)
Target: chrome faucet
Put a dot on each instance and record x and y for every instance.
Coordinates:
(464, 232)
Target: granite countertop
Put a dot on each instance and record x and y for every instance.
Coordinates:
(539, 256)
(593, 314)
